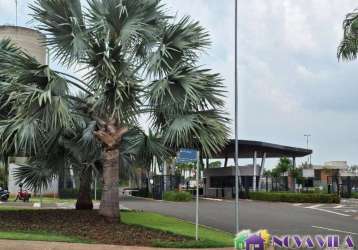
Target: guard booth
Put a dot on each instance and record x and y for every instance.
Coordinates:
(220, 182)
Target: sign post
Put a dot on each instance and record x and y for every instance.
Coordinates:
(190, 155)
(197, 196)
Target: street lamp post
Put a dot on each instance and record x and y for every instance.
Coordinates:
(236, 130)
(307, 140)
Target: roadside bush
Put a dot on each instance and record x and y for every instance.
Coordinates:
(354, 195)
(177, 196)
(70, 193)
(295, 197)
(143, 192)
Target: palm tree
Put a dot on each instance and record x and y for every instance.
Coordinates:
(348, 48)
(136, 59)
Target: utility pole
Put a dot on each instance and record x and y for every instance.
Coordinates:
(237, 173)
(16, 13)
(308, 136)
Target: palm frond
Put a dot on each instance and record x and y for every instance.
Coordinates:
(63, 24)
(35, 175)
(180, 43)
(348, 47)
(205, 130)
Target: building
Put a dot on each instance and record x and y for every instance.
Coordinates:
(27, 39)
(331, 176)
(32, 42)
(220, 182)
(13, 187)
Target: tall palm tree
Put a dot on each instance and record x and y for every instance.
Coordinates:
(348, 48)
(136, 59)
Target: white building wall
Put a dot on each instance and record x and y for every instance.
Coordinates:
(14, 188)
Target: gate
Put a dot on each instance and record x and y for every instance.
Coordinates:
(162, 183)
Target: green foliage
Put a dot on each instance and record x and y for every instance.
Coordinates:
(354, 195)
(71, 193)
(177, 196)
(143, 192)
(284, 165)
(208, 237)
(35, 176)
(39, 236)
(120, 44)
(348, 47)
(295, 197)
(215, 164)
(2, 176)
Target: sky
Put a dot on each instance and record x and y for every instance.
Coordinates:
(290, 81)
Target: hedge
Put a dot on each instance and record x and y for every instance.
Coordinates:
(295, 197)
(143, 192)
(70, 193)
(177, 196)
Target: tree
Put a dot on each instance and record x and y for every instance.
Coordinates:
(348, 47)
(215, 164)
(284, 165)
(137, 59)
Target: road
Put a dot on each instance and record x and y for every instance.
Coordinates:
(278, 218)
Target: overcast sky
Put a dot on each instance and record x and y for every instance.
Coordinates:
(290, 82)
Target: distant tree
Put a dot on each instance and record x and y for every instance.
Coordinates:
(348, 47)
(284, 165)
(215, 164)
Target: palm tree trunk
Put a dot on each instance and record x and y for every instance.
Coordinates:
(84, 201)
(110, 196)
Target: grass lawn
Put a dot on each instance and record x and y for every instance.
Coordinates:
(39, 236)
(137, 228)
(208, 237)
(47, 200)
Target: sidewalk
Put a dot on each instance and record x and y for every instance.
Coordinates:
(41, 245)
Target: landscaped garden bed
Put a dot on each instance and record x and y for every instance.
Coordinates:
(136, 228)
(177, 196)
(295, 197)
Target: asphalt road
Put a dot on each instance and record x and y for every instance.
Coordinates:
(278, 218)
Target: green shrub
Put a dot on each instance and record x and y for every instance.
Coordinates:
(143, 192)
(177, 196)
(295, 197)
(70, 193)
(354, 195)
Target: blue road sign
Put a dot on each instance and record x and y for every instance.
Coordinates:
(186, 155)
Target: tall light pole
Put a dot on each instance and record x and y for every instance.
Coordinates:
(16, 13)
(307, 140)
(237, 173)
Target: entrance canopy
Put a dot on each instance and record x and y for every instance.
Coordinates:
(248, 148)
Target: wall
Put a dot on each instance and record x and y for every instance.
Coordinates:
(52, 190)
(29, 40)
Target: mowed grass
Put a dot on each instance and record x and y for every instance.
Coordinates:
(34, 199)
(39, 236)
(208, 237)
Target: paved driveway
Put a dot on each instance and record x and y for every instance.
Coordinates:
(278, 218)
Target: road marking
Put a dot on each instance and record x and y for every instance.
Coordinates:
(316, 207)
(339, 206)
(297, 204)
(334, 230)
(350, 211)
